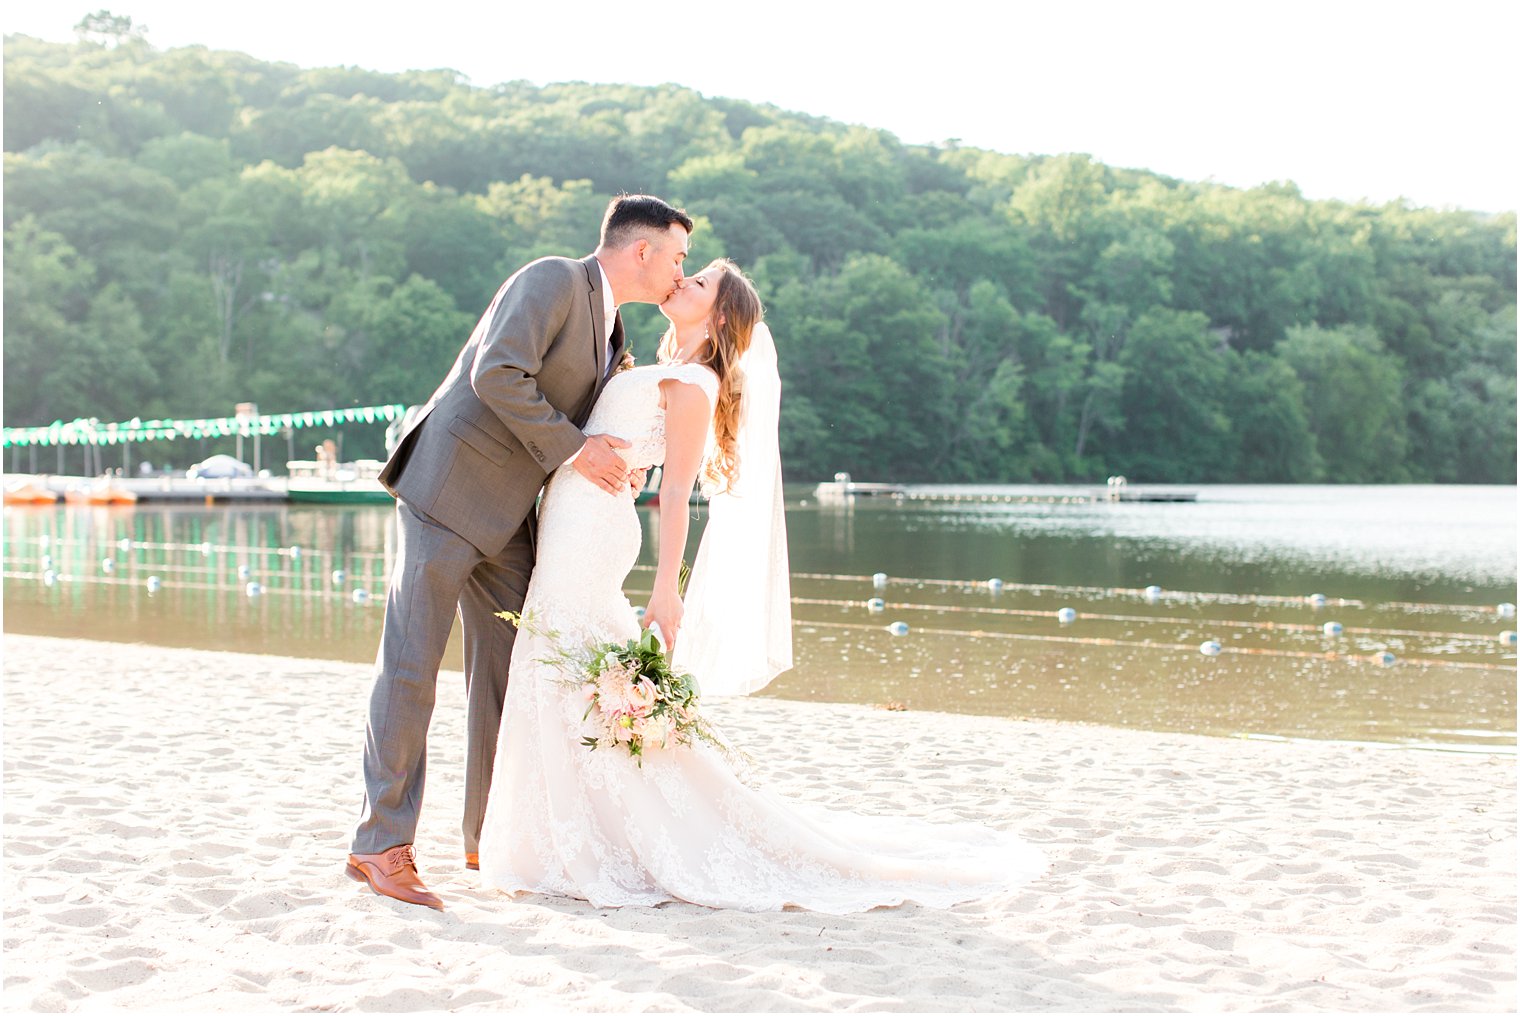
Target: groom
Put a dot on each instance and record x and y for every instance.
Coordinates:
(465, 475)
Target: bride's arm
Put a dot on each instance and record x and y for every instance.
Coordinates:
(686, 416)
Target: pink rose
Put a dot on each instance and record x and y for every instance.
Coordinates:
(641, 697)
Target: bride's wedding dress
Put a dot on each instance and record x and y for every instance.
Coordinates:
(595, 825)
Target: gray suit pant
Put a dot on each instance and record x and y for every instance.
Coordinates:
(437, 571)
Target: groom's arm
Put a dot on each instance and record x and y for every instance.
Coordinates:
(504, 375)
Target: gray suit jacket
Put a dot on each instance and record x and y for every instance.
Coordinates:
(512, 407)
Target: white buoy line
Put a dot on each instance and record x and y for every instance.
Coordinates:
(317, 584)
(154, 582)
(122, 568)
(1376, 657)
(1152, 593)
(876, 605)
(879, 580)
(310, 583)
(205, 548)
(361, 596)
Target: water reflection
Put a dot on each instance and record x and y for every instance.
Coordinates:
(1130, 658)
(1453, 544)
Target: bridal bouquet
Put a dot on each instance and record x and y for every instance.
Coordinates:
(634, 699)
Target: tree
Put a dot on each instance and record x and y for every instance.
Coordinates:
(47, 288)
(1265, 402)
(107, 29)
(1057, 371)
(1058, 201)
(1463, 425)
(113, 211)
(71, 349)
(988, 437)
(403, 343)
(1175, 385)
(451, 241)
(860, 348)
(188, 159)
(1354, 394)
(538, 217)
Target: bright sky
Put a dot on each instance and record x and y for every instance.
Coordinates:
(1349, 99)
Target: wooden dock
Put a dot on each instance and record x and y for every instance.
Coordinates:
(844, 490)
(180, 489)
(1152, 495)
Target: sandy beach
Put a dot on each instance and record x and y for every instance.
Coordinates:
(175, 824)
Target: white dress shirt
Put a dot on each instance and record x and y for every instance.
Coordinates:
(609, 314)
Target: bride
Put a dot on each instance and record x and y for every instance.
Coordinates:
(684, 824)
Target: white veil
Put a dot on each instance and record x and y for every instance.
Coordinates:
(737, 631)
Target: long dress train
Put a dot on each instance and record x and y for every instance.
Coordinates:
(594, 825)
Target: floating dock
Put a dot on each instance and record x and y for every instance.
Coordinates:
(842, 489)
(268, 489)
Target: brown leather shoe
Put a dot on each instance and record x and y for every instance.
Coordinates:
(472, 861)
(393, 873)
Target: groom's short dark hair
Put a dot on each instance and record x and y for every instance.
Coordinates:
(628, 215)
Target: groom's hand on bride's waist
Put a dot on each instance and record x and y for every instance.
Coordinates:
(599, 462)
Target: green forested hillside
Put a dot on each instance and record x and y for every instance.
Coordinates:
(187, 229)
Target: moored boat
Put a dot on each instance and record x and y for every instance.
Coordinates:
(100, 492)
(336, 483)
(27, 492)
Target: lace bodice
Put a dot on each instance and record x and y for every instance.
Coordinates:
(630, 408)
(588, 539)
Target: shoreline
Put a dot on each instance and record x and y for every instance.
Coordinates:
(176, 822)
(1472, 747)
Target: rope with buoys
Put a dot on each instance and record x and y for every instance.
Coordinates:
(1094, 641)
(1141, 618)
(880, 580)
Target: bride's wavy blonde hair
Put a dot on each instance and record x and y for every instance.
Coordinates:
(735, 311)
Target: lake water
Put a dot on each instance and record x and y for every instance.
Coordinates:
(1415, 572)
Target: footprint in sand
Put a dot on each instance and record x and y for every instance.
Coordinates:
(72, 865)
(81, 917)
(403, 1000)
(132, 952)
(56, 1001)
(116, 975)
(214, 899)
(23, 848)
(257, 978)
(129, 832)
(261, 905)
(217, 850)
(1216, 939)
